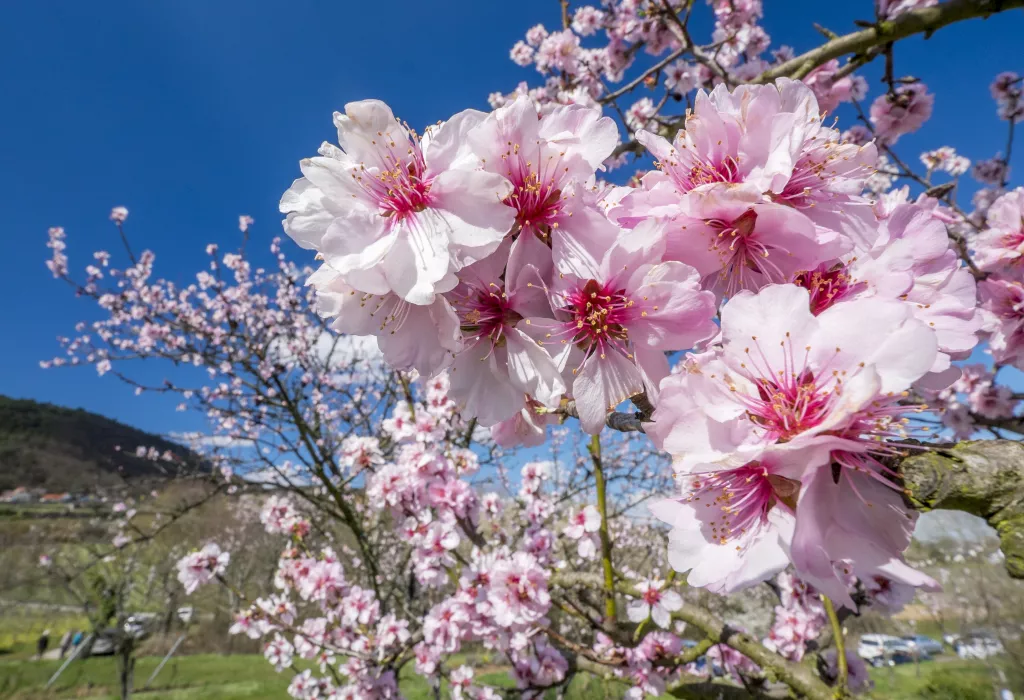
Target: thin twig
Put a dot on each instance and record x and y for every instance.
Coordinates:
(837, 634)
(610, 612)
(924, 20)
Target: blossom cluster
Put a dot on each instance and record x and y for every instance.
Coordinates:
(203, 566)
(775, 310)
(341, 625)
(998, 250)
(601, 45)
(831, 310)
(799, 618)
(516, 279)
(420, 479)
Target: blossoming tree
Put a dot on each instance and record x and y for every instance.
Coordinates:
(763, 339)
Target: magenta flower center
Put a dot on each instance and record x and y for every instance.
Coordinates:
(599, 314)
(789, 406)
(1015, 239)
(827, 285)
(485, 312)
(746, 262)
(738, 501)
(400, 187)
(792, 399)
(698, 171)
(537, 194)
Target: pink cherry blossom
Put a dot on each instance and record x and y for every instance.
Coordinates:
(1002, 302)
(992, 171)
(199, 568)
(945, 159)
(543, 668)
(855, 525)
(391, 213)
(655, 602)
(581, 522)
(279, 516)
(681, 77)
(614, 322)
(361, 452)
(420, 337)
(547, 160)
(738, 242)
(559, 51)
(536, 34)
(731, 528)
(799, 620)
(911, 261)
(1001, 245)
(901, 113)
(501, 363)
(521, 54)
(587, 20)
(278, 652)
(785, 375)
(519, 590)
(829, 91)
(732, 662)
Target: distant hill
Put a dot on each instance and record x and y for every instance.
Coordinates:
(65, 449)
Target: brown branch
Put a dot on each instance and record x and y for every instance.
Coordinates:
(679, 29)
(632, 85)
(694, 688)
(921, 21)
(798, 677)
(984, 478)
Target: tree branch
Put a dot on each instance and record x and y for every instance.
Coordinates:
(921, 21)
(610, 615)
(984, 478)
(798, 677)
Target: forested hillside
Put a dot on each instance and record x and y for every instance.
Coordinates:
(64, 449)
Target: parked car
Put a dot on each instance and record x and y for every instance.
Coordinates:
(103, 644)
(185, 613)
(883, 649)
(140, 625)
(978, 646)
(925, 644)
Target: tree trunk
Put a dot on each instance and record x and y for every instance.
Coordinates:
(126, 666)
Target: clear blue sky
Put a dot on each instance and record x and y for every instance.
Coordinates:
(191, 112)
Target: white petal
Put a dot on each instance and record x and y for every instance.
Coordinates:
(603, 383)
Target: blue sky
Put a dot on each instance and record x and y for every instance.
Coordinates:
(191, 112)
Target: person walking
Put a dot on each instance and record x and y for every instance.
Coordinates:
(42, 644)
(65, 643)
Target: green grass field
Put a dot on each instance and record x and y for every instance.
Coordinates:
(947, 679)
(249, 677)
(206, 676)
(198, 677)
